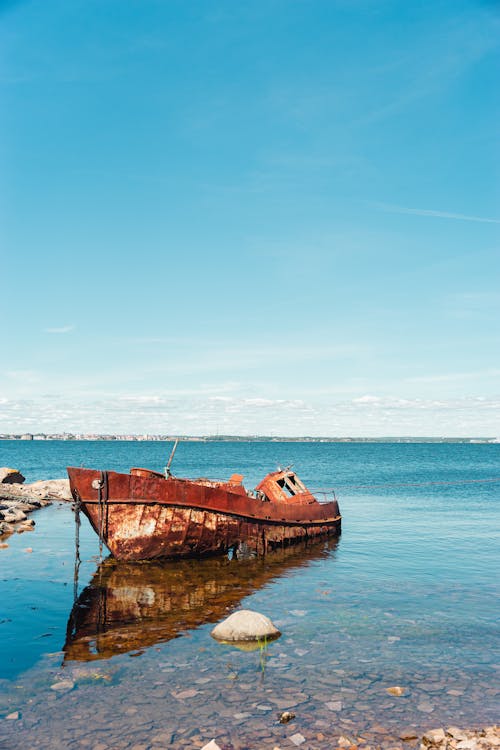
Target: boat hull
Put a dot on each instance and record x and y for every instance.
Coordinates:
(140, 517)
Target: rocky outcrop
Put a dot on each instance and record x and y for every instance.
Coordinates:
(46, 489)
(245, 625)
(17, 500)
(454, 738)
(10, 476)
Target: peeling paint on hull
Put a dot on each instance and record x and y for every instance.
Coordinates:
(146, 517)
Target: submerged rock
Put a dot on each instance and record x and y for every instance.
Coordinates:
(63, 686)
(396, 690)
(245, 625)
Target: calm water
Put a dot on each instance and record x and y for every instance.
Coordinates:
(408, 596)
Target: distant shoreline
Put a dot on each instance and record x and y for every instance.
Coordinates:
(241, 438)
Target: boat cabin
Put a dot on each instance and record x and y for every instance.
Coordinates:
(284, 487)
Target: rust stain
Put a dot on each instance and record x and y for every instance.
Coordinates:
(149, 516)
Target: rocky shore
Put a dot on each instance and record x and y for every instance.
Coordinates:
(452, 738)
(18, 500)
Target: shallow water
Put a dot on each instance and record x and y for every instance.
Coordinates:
(408, 596)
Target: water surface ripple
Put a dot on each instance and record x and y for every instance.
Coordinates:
(408, 596)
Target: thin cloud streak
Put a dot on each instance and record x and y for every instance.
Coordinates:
(62, 329)
(389, 208)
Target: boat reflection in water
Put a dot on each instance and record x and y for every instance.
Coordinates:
(131, 606)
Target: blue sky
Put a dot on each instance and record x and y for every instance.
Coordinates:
(275, 217)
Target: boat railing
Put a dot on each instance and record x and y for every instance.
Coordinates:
(324, 496)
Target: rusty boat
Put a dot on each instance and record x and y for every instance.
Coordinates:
(145, 514)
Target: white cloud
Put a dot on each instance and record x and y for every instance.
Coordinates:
(366, 400)
(205, 415)
(62, 329)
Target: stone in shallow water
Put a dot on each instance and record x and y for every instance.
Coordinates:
(212, 745)
(63, 685)
(297, 739)
(245, 625)
(408, 734)
(396, 690)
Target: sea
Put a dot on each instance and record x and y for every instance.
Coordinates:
(387, 631)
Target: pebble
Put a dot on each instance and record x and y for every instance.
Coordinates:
(334, 705)
(286, 716)
(13, 716)
(212, 745)
(297, 739)
(344, 742)
(396, 690)
(408, 734)
(183, 694)
(62, 686)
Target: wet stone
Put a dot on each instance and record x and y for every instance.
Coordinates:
(408, 734)
(434, 736)
(63, 686)
(397, 690)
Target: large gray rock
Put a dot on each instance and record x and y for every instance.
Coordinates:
(245, 625)
(10, 476)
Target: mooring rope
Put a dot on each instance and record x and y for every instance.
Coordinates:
(78, 522)
(102, 498)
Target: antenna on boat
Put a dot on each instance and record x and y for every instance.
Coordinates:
(169, 464)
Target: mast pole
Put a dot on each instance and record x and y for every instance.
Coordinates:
(169, 464)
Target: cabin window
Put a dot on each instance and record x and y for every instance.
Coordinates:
(288, 485)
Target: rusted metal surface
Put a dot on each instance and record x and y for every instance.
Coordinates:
(143, 515)
(131, 606)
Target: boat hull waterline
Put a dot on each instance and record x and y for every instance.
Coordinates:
(143, 515)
